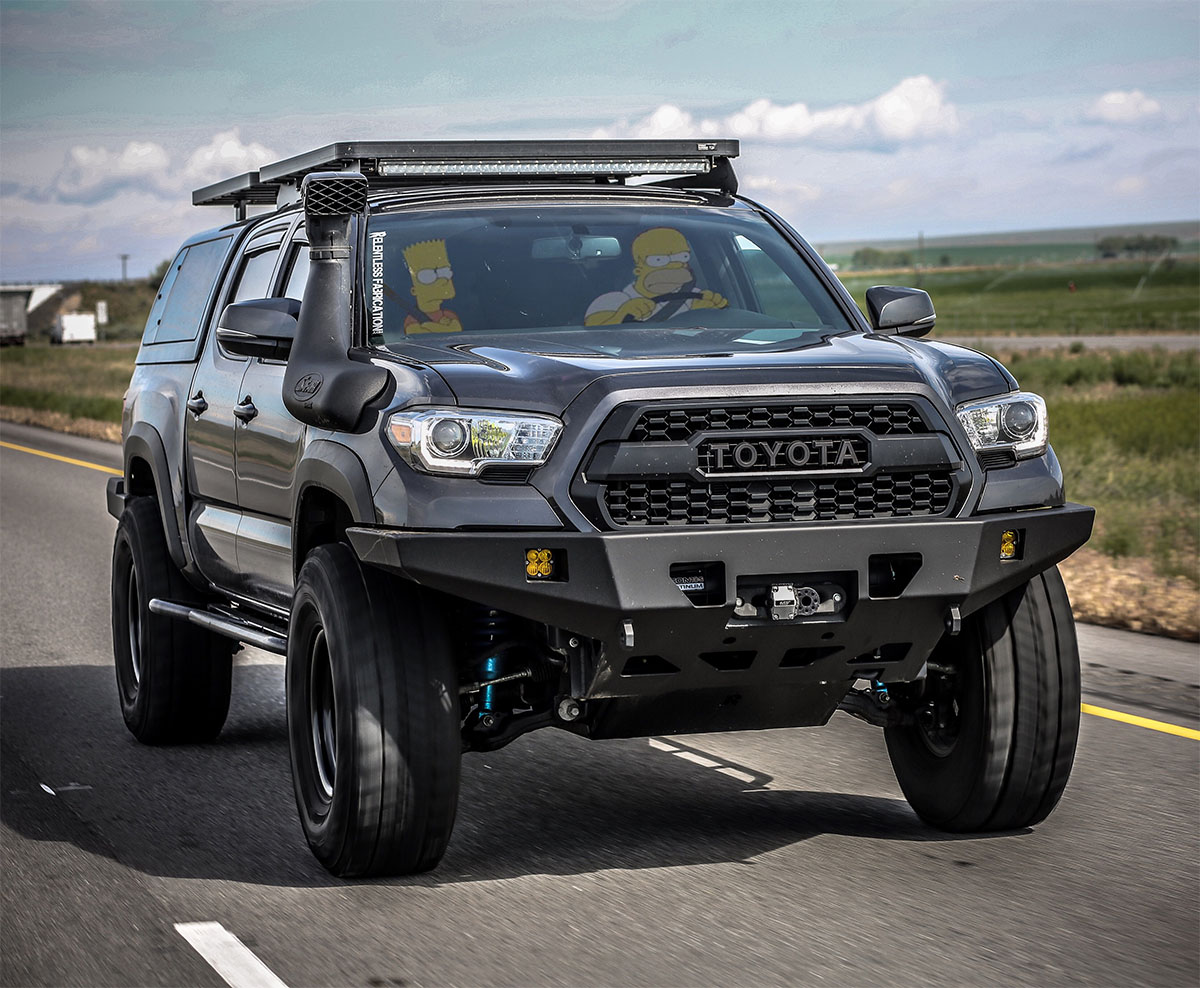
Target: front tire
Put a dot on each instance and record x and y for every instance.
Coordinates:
(994, 738)
(173, 678)
(373, 724)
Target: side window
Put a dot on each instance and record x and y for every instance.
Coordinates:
(298, 276)
(160, 300)
(254, 280)
(778, 295)
(195, 273)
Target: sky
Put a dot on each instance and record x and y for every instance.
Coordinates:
(858, 119)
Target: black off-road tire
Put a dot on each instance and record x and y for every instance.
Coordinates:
(373, 719)
(1005, 754)
(173, 679)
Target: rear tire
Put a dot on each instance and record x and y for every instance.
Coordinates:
(373, 719)
(994, 741)
(173, 678)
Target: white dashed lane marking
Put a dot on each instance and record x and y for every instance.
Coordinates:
(704, 761)
(228, 956)
(695, 759)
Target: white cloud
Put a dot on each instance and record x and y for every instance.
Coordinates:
(223, 157)
(1120, 107)
(1130, 185)
(913, 111)
(92, 174)
(89, 174)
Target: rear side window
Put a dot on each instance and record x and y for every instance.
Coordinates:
(160, 300)
(185, 292)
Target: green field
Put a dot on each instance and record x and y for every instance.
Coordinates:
(1109, 296)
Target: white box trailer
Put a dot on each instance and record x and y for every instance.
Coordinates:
(75, 327)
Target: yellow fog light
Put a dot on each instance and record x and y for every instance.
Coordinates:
(1009, 544)
(539, 564)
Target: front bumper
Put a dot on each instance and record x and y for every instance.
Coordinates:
(619, 592)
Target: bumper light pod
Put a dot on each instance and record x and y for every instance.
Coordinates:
(1010, 544)
(461, 441)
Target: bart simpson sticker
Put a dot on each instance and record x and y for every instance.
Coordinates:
(663, 284)
(432, 284)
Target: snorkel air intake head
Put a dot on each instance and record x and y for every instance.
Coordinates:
(323, 386)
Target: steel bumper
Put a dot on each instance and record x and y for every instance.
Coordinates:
(618, 591)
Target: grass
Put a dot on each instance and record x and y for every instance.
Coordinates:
(79, 381)
(1109, 296)
(1134, 456)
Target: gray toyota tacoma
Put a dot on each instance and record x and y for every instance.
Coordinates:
(488, 437)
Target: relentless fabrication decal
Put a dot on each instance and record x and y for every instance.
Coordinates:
(377, 282)
(782, 455)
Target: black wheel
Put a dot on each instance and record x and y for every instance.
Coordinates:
(995, 734)
(173, 678)
(373, 719)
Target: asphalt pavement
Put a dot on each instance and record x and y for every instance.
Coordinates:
(776, 857)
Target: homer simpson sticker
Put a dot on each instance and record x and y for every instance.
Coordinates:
(432, 284)
(663, 284)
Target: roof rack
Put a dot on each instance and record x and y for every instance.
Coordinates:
(394, 164)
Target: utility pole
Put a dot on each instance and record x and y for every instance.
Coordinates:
(920, 256)
(124, 258)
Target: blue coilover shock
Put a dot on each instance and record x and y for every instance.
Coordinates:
(491, 629)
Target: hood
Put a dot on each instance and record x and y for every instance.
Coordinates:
(545, 374)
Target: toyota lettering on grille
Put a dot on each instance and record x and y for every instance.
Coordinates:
(790, 454)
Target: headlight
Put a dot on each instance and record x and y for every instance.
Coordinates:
(1016, 421)
(463, 441)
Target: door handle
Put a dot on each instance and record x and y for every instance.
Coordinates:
(245, 409)
(196, 404)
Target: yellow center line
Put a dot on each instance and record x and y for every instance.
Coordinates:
(1146, 722)
(62, 459)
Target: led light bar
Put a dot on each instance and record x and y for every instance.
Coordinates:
(542, 166)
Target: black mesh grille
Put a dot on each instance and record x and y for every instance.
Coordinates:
(882, 418)
(335, 196)
(760, 502)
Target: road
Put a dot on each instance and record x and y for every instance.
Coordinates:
(573, 862)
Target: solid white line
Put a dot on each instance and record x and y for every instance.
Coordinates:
(735, 774)
(691, 756)
(661, 746)
(228, 956)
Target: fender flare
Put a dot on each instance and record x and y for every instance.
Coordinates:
(145, 442)
(337, 469)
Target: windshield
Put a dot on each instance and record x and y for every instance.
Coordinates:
(665, 275)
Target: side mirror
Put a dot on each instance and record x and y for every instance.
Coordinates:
(260, 327)
(900, 311)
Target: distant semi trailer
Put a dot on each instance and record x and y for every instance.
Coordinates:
(16, 302)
